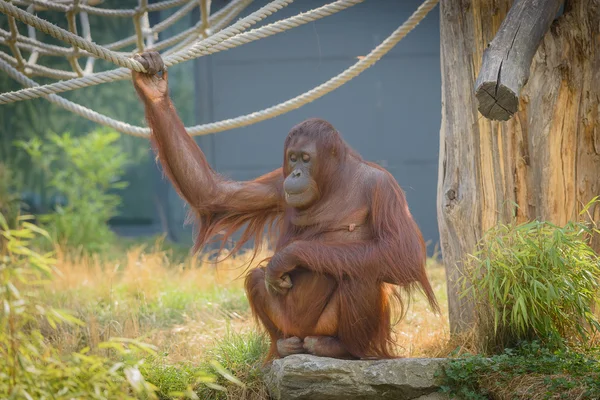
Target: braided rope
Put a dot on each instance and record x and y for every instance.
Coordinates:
(39, 69)
(137, 23)
(161, 26)
(69, 37)
(43, 48)
(224, 40)
(33, 57)
(213, 46)
(71, 19)
(31, 44)
(163, 5)
(231, 31)
(87, 35)
(321, 90)
(43, 4)
(193, 38)
(74, 107)
(123, 73)
(244, 120)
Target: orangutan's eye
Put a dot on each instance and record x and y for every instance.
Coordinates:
(293, 157)
(305, 157)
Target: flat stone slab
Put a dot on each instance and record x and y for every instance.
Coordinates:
(319, 378)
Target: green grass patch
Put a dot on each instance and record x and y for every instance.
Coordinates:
(529, 371)
(242, 356)
(232, 369)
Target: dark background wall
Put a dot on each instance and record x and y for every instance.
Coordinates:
(390, 113)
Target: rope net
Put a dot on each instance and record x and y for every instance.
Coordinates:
(210, 34)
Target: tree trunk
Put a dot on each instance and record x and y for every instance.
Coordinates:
(545, 160)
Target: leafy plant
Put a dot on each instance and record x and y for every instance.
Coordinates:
(31, 367)
(231, 369)
(534, 281)
(85, 171)
(529, 371)
(10, 202)
(237, 360)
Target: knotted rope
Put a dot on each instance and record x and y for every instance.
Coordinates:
(224, 40)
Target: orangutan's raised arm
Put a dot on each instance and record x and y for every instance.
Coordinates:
(186, 166)
(183, 161)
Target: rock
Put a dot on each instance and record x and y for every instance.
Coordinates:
(318, 378)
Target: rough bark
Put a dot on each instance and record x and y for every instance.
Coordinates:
(506, 61)
(545, 160)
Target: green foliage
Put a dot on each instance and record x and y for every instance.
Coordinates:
(9, 198)
(529, 371)
(534, 281)
(85, 170)
(182, 380)
(237, 358)
(31, 367)
(173, 380)
(232, 369)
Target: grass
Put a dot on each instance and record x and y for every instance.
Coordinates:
(238, 364)
(528, 372)
(197, 316)
(422, 333)
(194, 312)
(537, 335)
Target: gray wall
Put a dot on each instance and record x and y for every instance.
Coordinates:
(390, 113)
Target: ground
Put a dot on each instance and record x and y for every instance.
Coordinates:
(183, 307)
(193, 310)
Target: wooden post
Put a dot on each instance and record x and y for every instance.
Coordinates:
(545, 160)
(506, 61)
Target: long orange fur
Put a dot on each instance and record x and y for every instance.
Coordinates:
(364, 276)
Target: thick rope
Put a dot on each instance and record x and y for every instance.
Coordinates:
(161, 26)
(43, 48)
(69, 37)
(123, 73)
(193, 38)
(31, 44)
(244, 120)
(221, 19)
(321, 90)
(226, 39)
(212, 46)
(37, 69)
(163, 5)
(74, 107)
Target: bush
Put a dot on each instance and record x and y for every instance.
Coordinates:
(528, 372)
(83, 170)
(534, 281)
(10, 202)
(31, 367)
(237, 360)
(231, 369)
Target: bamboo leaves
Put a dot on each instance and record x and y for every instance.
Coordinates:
(534, 281)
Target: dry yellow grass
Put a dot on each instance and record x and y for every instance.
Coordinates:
(183, 308)
(422, 333)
